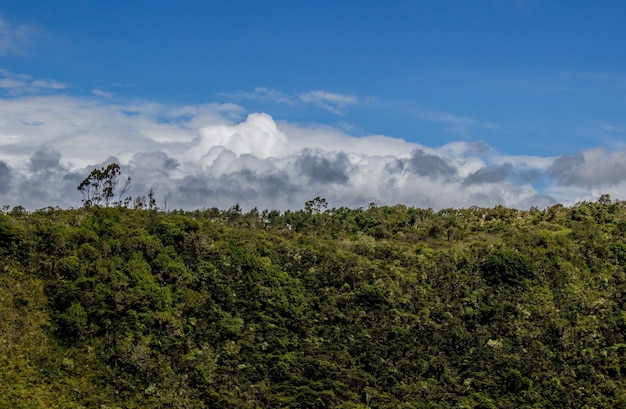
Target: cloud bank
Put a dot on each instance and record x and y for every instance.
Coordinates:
(218, 155)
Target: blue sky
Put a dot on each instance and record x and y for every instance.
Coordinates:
(539, 86)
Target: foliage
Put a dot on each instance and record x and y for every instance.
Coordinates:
(384, 307)
(100, 185)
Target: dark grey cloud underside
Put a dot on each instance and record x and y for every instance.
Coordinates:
(5, 177)
(565, 164)
(606, 168)
(320, 169)
(262, 183)
(424, 164)
(156, 161)
(243, 186)
(45, 158)
(489, 175)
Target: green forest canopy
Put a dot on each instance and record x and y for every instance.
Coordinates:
(384, 307)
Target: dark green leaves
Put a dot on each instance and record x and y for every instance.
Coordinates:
(505, 266)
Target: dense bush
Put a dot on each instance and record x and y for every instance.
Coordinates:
(385, 307)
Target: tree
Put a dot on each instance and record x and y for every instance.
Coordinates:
(507, 266)
(316, 206)
(100, 185)
(151, 200)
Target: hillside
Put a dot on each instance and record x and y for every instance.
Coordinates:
(384, 307)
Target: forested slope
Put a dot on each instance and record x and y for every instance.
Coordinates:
(385, 307)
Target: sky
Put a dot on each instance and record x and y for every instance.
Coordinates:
(268, 104)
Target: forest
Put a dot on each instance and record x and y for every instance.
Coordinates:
(379, 307)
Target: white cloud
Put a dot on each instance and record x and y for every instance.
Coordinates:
(214, 155)
(331, 102)
(20, 84)
(15, 38)
(597, 167)
(261, 94)
(328, 101)
(333, 140)
(612, 128)
(101, 93)
(524, 162)
(11, 81)
(257, 135)
(454, 123)
(47, 84)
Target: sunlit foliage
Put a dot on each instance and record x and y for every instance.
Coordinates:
(384, 307)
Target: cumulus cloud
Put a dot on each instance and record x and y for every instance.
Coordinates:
(5, 177)
(425, 164)
(215, 155)
(324, 169)
(592, 168)
(493, 174)
(45, 158)
(564, 165)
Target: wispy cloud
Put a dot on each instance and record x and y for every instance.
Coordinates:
(520, 5)
(454, 123)
(19, 84)
(261, 94)
(101, 93)
(14, 38)
(593, 75)
(523, 5)
(612, 128)
(329, 101)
